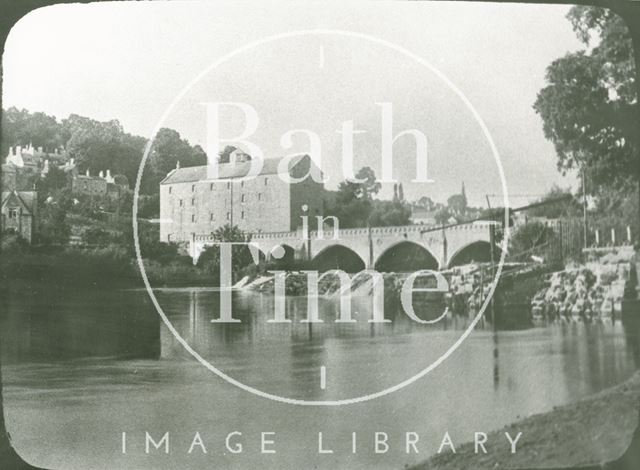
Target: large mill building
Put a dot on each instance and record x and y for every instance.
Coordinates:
(192, 204)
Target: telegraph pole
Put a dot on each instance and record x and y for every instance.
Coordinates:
(584, 209)
(231, 198)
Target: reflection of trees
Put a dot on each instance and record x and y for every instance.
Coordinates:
(631, 324)
(67, 323)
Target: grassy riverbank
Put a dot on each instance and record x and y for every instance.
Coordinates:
(595, 430)
(111, 265)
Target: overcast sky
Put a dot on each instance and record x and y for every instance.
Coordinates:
(128, 61)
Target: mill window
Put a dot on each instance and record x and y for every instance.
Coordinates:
(193, 187)
(259, 196)
(13, 213)
(193, 217)
(170, 189)
(228, 215)
(242, 198)
(242, 215)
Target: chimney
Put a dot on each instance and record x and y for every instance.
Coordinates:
(72, 161)
(18, 150)
(178, 165)
(238, 156)
(108, 174)
(87, 172)
(101, 174)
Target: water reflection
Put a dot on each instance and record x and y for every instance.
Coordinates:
(374, 355)
(41, 323)
(54, 367)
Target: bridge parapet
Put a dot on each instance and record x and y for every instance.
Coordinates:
(204, 237)
(271, 235)
(443, 242)
(343, 231)
(389, 230)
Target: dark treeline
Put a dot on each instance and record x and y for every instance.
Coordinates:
(98, 146)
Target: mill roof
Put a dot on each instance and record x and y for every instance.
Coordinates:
(228, 170)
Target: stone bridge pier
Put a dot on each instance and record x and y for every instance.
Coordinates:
(385, 249)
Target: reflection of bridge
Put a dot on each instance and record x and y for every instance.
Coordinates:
(404, 248)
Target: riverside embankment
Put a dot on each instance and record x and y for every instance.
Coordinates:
(592, 431)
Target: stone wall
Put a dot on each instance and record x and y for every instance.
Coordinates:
(89, 186)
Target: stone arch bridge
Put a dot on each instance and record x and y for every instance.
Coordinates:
(385, 249)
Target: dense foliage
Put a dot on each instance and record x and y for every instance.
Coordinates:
(209, 260)
(99, 146)
(354, 204)
(589, 106)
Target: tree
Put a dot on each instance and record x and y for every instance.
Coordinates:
(589, 105)
(209, 260)
(127, 161)
(167, 150)
(442, 216)
(20, 127)
(99, 146)
(457, 204)
(94, 145)
(427, 203)
(529, 237)
(389, 213)
(53, 181)
(96, 236)
(352, 204)
(365, 188)
(148, 206)
(53, 228)
(566, 205)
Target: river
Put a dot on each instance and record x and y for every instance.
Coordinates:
(80, 367)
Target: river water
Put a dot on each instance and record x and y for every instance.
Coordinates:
(80, 367)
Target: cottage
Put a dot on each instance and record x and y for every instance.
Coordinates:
(19, 211)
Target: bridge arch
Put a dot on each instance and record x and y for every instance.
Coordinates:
(338, 257)
(405, 256)
(478, 251)
(284, 262)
